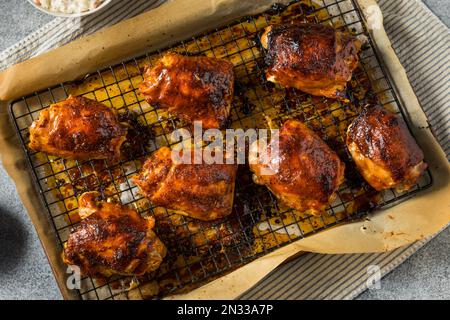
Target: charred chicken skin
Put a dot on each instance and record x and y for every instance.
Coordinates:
(78, 128)
(308, 172)
(201, 191)
(384, 151)
(112, 239)
(192, 88)
(313, 58)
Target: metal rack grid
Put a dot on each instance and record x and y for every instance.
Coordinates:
(200, 251)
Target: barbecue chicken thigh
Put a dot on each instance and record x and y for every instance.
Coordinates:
(313, 58)
(384, 151)
(201, 191)
(192, 88)
(112, 239)
(304, 174)
(78, 128)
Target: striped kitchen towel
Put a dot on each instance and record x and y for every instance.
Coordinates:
(62, 30)
(421, 41)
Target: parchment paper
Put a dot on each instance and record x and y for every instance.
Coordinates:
(387, 229)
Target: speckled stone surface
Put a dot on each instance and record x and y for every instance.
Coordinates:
(25, 272)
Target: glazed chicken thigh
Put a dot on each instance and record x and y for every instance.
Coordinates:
(384, 151)
(304, 174)
(201, 191)
(313, 58)
(78, 128)
(112, 239)
(192, 88)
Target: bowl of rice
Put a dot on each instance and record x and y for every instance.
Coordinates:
(70, 8)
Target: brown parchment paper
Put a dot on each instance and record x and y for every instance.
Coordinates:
(419, 217)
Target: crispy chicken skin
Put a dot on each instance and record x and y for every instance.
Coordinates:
(201, 191)
(112, 239)
(192, 88)
(384, 151)
(78, 128)
(313, 58)
(309, 172)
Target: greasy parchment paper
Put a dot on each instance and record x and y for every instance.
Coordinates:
(414, 219)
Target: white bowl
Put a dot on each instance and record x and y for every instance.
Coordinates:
(72, 15)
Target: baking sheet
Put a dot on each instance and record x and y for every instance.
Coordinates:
(386, 230)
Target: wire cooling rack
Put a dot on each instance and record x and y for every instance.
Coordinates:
(201, 251)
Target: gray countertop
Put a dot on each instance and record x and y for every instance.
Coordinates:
(25, 272)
